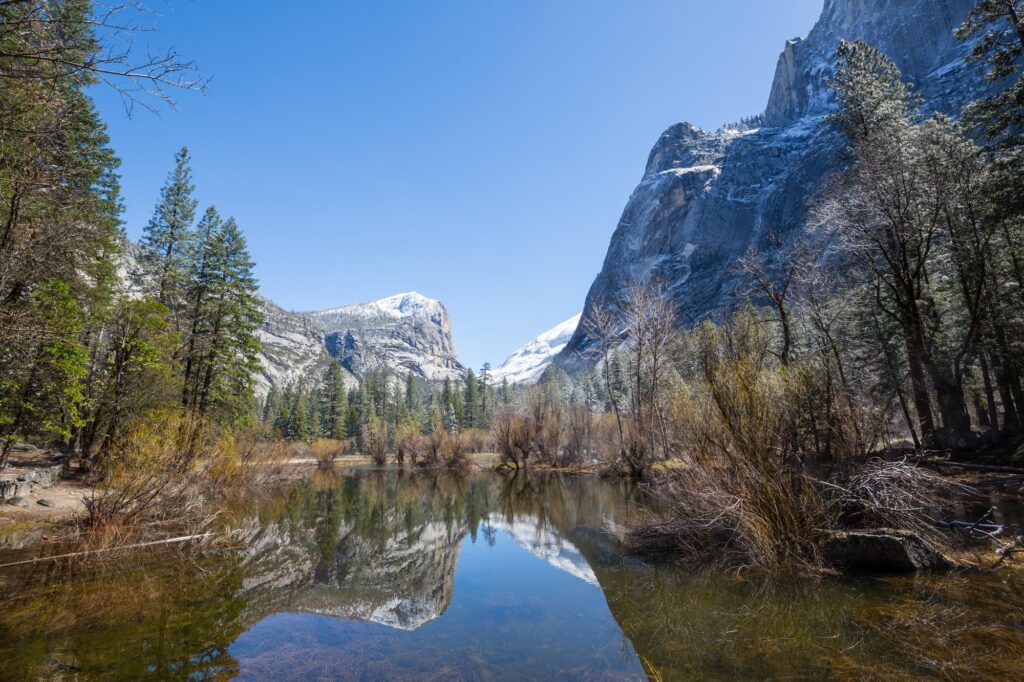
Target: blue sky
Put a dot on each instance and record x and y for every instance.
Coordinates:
(479, 152)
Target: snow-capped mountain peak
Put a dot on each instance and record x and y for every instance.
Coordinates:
(408, 304)
(527, 363)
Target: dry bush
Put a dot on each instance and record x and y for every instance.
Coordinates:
(543, 409)
(899, 495)
(454, 448)
(579, 435)
(744, 495)
(736, 518)
(326, 450)
(155, 481)
(514, 437)
(478, 440)
(375, 440)
(433, 443)
(407, 442)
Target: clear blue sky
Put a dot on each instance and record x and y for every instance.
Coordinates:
(479, 152)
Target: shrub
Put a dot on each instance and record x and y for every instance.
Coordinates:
(375, 440)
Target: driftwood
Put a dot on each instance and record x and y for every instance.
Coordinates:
(168, 541)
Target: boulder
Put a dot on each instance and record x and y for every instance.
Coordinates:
(883, 549)
(18, 501)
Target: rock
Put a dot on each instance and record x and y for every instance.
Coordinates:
(18, 501)
(10, 489)
(46, 503)
(706, 197)
(883, 549)
(23, 447)
(405, 332)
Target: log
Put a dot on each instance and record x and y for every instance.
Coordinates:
(168, 541)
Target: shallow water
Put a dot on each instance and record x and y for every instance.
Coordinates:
(399, 575)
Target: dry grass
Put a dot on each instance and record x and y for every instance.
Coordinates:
(168, 478)
(737, 518)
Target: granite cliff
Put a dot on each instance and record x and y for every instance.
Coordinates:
(706, 197)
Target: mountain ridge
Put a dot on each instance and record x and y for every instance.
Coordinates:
(706, 197)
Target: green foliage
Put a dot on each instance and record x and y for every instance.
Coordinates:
(168, 233)
(40, 390)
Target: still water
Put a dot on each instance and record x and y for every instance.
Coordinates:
(373, 574)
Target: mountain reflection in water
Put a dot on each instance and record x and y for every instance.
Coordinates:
(374, 574)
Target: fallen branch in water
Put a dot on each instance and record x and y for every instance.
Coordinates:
(183, 538)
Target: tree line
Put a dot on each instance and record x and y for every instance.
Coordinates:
(325, 406)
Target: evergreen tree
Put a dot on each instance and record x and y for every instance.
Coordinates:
(298, 429)
(222, 350)
(168, 233)
(44, 395)
(410, 394)
(315, 413)
(271, 406)
(997, 29)
(336, 402)
(484, 411)
(470, 401)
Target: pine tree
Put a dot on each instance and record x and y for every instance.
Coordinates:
(222, 350)
(484, 411)
(410, 394)
(336, 402)
(315, 413)
(271, 406)
(470, 400)
(44, 396)
(998, 26)
(298, 429)
(168, 233)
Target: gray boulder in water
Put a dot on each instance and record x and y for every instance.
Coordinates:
(883, 549)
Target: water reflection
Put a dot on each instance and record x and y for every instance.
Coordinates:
(374, 574)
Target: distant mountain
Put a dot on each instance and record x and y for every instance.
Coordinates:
(526, 364)
(405, 333)
(705, 197)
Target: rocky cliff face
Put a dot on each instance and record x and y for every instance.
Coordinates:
(292, 347)
(405, 332)
(706, 197)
